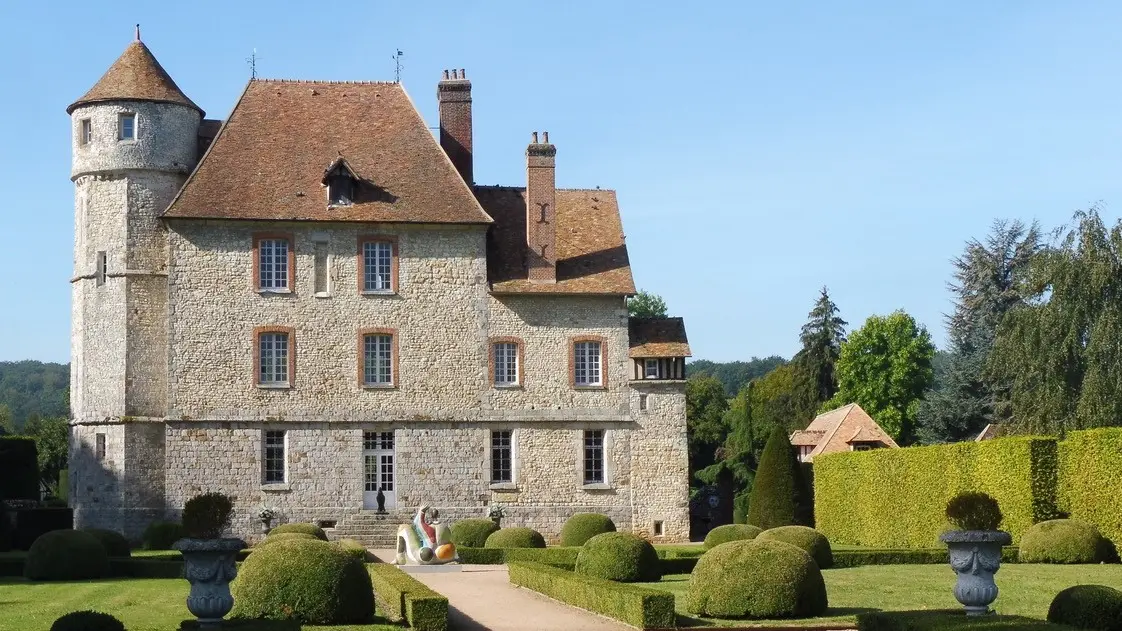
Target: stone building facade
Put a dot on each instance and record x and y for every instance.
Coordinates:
(312, 301)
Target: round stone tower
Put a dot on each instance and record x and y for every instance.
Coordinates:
(134, 142)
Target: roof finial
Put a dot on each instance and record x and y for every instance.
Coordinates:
(138, 32)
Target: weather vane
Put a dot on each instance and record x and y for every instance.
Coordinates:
(397, 66)
(252, 61)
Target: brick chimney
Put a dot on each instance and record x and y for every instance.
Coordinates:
(541, 210)
(454, 95)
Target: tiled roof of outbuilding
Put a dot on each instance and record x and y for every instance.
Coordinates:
(268, 160)
(657, 337)
(135, 76)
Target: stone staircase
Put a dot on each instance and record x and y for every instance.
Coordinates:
(370, 528)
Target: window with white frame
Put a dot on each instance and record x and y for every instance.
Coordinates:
(377, 359)
(377, 266)
(506, 363)
(502, 456)
(272, 264)
(586, 364)
(126, 126)
(85, 132)
(273, 359)
(650, 369)
(594, 456)
(275, 444)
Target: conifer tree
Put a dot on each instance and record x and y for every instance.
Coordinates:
(778, 492)
(822, 337)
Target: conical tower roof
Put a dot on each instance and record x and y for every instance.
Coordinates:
(135, 76)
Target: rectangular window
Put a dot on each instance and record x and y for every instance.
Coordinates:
(502, 456)
(273, 359)
(320, 280)
(102, 271)
(650, 369)
(85, 132)
(377, 360)
(594, 456)
(274, 456)
(657, 528)
(126, 127)
(643, 401)
(377, 266)
(506, 363)
(586, 364)
(272, 264)
(99, 446)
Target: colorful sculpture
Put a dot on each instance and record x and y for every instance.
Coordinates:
(425, 541)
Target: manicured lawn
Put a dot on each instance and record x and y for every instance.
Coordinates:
(1025, 590)
(141, 604)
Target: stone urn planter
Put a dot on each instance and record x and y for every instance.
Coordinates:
(209, 565)
(975, 556)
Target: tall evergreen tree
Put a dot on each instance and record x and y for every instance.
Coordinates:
(1059, 354)
(822, 337)
(989, 280)
(778, 490)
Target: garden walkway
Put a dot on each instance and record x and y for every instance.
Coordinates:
(481, 597)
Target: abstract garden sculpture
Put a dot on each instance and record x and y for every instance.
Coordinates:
(425, 542)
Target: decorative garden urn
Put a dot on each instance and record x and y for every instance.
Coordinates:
(975, 556)
(209, 565)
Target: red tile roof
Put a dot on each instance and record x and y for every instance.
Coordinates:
(834, 430)
(657, 337)
(268, 160)
(135, 76)
(591, 254)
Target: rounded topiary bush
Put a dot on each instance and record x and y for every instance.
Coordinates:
(87, 621)
(1095, 607)
(115, 543)
(307, 529)
(619, 556)
(159, 535)
(352, 547)
(518, 537)
(472, 533)
(583, 526)
(63, 555)
(284, 536)
(809, 540)
(309, 581)
(730, 532)
(1064, 541)
(756, 579)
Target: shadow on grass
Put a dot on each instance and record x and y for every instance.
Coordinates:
(833, 618)
(286, 625)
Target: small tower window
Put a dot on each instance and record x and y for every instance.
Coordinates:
(126, 126)
(102, 263)
(85, 132)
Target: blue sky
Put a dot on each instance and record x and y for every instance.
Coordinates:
(759, 150)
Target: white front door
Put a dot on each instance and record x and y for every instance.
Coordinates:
(378, 469)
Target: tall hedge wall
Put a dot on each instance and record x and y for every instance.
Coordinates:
(895, 498)
(19, 468)
(1090, 475)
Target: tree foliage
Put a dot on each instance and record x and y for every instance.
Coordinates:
(885, 367)
(822, 337)
(777, 491)
(30, 388)
(734, 375)
(706, 404)
(52, 440)
(646, 305)
(1059, 353)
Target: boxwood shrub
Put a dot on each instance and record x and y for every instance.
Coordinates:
(353, 548)
(637, 606)
(309, 581)
(808, 540)
(115, 543)
(619, 556)
(403, 597)
(1089, 484)
(65, 555)
(306, 529)
(472, 533)
(946, 620)
(1065, 541)
(756, 579)
(1096, 607)
(557, 555)
(159, 535)
(518, 537)
(19, 471)
(731, 532)
(583, 526)
(896, 498)
(87, 621)
(284, 536)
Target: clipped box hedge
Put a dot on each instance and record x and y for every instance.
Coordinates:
(896, 498)
(637, 606)
(558, 555)
(19, 468)
(946, 620)
(1090, 479)
(403, 597)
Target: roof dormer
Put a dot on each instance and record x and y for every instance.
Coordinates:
(341, 183)
(658, 348)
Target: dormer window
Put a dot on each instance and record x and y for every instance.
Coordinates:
(340, 181)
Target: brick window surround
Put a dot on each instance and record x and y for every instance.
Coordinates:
(291, 354)
(395, 375)
(258, 237)
(360, 260)
(603, 361)
(520, 352)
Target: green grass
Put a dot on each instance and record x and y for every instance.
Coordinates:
(141, 604)
(1025, 590)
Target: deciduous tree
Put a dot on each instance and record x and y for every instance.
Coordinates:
(706, 403)
(646, 305)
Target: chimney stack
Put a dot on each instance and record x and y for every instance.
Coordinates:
(541, 210)
(454, 95)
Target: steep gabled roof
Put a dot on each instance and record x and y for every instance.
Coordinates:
(836, 429)
(268, 160)
(657, 337)
(591, 255)
(135, 76)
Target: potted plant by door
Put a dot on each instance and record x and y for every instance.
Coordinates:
(266, 515)
(975, 549)
(210, 561)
